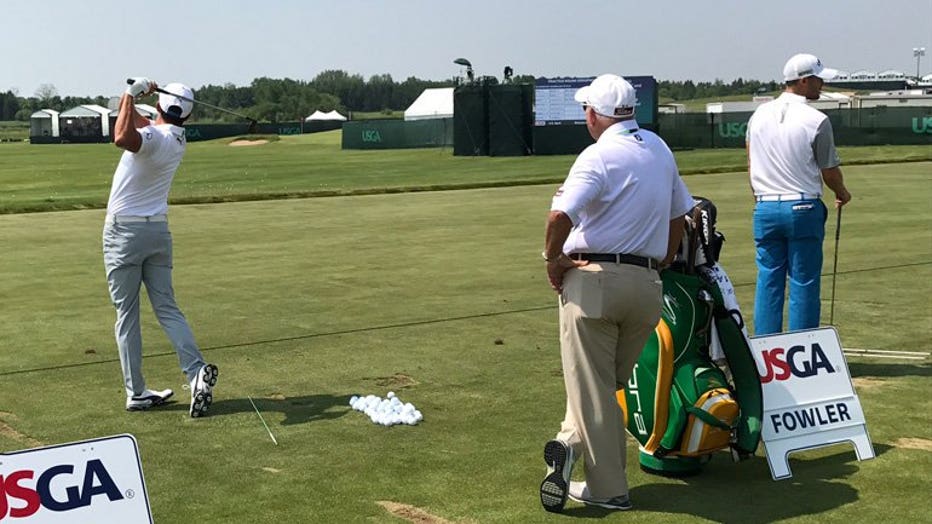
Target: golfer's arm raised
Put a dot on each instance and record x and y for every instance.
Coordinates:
(835, 181)
(125, 135)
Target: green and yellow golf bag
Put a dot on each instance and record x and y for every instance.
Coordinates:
(695, 388)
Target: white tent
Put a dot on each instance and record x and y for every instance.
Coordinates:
(43, 123)
(75, 115)
(432, 103)
(320, 115)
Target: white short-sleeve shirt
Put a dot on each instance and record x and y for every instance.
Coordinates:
(143, 179)
(621, 194)
(789, 143)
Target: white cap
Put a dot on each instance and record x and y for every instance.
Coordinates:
(609, 95)
(803, 65)
(180, 97)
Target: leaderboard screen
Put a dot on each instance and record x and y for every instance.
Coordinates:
(554, 103)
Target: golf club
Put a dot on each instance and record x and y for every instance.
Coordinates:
(252, 121)
(831, 315)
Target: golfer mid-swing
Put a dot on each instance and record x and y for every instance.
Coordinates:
(138, 245)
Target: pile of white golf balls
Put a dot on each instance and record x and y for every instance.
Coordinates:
(387, 411)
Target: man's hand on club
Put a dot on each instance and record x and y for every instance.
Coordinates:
(141, 86)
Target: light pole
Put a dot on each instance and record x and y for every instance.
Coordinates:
(918, 52)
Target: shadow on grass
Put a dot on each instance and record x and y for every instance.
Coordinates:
(745, 493)
(885, 369)
(297, 410)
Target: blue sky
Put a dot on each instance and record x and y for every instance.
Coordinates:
(88, 48)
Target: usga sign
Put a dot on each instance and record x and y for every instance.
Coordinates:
(809, 401)
(91, 482)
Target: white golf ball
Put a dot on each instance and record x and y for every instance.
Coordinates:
(391, 394)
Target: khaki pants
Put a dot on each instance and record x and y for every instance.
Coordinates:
(607, 312)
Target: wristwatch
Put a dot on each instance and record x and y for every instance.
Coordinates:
(543, 255)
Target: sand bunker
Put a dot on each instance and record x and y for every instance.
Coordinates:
(240, 143)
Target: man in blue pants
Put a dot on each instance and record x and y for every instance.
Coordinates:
(791, 151)
(137, 244)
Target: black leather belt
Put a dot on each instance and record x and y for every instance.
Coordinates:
(617, 258)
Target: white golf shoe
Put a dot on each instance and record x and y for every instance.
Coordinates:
(147, 399)
(553, 490)
(202, 390)
(579, 491)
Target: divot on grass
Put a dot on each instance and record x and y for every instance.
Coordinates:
(412, 513)
(10, 432)
(867, 382)
(914, 443)
(398, 380)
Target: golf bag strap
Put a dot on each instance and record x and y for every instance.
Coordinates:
(706, 417)
(663, 387)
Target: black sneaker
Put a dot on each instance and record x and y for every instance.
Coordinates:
(579, 492)
(202, 390)
(553, 490)
(147, 399)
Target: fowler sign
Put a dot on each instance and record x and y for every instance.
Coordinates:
(809, 401)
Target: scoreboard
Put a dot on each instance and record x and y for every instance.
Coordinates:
(554, 103)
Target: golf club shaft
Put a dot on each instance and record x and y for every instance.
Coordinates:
(218, 108)
(831, 315)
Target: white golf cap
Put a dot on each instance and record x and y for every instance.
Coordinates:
(174, 104)
(803, 65)
(609, 95)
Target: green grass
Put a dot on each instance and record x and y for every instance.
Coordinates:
(304, 302)
(13, 131)
(77, 176)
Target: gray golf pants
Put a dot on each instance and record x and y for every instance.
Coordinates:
(137, 253)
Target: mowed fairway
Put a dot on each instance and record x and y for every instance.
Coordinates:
(303, 303)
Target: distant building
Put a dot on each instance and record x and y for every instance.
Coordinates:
(43, 127)
(671, 108)
(904, 98)
(864, 79)
(827, 100)
(732, 107)
(86, 123)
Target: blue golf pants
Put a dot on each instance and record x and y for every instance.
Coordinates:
(137, 253)
(788, 236)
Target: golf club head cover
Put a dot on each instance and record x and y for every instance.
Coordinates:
(140, 86)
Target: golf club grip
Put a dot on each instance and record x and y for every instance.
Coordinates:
(130, 81)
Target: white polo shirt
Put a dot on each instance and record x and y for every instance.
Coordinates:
(789, 143)
(621, 194)
(143, 179)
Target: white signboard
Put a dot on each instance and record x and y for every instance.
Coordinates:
(809, 400)
(97, 481)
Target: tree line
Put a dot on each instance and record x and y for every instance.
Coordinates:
(283, 100)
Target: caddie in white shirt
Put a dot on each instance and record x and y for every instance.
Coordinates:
(791, 151)
(617, 219)
(137, 244)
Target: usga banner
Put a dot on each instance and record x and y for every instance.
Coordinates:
(96, 481)
(809, 400)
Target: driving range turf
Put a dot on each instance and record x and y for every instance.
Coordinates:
(439, 296)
